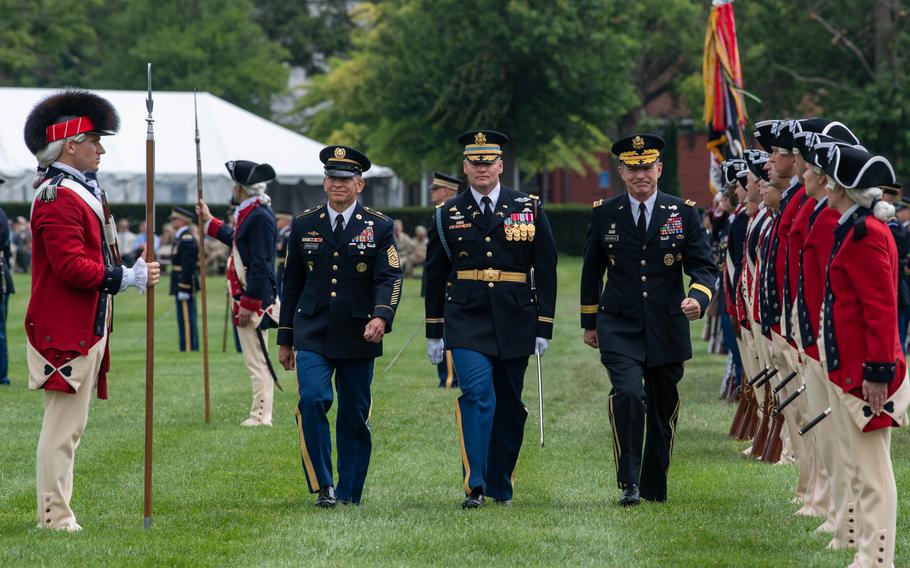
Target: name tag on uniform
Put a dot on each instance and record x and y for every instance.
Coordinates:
(611, 238)
(310, 246)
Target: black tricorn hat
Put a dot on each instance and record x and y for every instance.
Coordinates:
(344, 161)
(245, 172)
(68, 113)
(855, 168)
(756, 160)
(731, 169)
(482, 146)
(764, 134)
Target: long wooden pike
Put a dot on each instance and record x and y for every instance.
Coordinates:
(202, 265)
(149, 300)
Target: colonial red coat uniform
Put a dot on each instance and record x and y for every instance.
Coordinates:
(860, 311)
(71, 284)
(780, 299)
(811, 287)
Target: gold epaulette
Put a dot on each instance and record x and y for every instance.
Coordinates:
(598, 203)
(689, 202)
(308, 211)
(377, 213)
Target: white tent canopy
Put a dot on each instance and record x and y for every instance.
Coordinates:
(227, 132)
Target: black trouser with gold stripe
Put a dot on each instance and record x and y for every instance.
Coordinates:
(186, 325)
(641, 395)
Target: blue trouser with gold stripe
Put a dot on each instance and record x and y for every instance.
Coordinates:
(491, 420)
(353, 378)
(186, 325)
(448, 378)
(642, 395)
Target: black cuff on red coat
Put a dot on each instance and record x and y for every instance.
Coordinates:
(879, 372)
(113, 277)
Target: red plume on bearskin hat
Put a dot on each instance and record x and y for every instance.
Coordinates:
(68, 113)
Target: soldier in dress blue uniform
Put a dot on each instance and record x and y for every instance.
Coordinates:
(283, 219)
(342, 285)
(644, 241)
(185, 277)
(491, 294)
(444, 187)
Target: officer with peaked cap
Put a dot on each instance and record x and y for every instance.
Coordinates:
(185, 277)
(342, 285)
(68, 320)
(643, 242)
(864, 361)
(251, 276)
(491, 296)
(443, 188)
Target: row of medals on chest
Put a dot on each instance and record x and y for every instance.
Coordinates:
(517, 226)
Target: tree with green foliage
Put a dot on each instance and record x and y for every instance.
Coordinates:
(551, 74)
(311, 31)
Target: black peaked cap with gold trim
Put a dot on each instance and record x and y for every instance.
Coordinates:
(183, 213)
(245, 172)
(445, 181)
(482, 146)
(638, 149)
(344, 161)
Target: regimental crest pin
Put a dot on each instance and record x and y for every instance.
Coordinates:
(668, 260)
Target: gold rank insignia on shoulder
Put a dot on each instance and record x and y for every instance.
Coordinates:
(310, 210)
(690, 202)
(598, 203)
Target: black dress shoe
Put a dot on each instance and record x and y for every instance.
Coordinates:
(326, 499)
(473, 501)
(630, 496)
(503, 502)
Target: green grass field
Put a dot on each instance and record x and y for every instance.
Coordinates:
(227, 495)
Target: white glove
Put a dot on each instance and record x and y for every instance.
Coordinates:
(137, 276)
(541, 345)
(436, 350)
(183, 296)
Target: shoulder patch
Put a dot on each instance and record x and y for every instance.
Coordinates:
(859, 229)
(689, 202)
(597, 203)
(377, 213)
(309, 211)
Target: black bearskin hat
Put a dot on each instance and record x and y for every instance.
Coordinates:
(69, 112)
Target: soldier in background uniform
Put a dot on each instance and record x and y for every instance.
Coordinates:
(185, 277)
(491, 296)
(6, 288)
(644, 241)
(444, 187)
(251, 276)
(283, 219)
(68, 320)
(342, 285)
(891, 194)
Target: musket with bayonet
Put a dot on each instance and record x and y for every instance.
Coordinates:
(150, 300)
(202, 265)
(110, 230)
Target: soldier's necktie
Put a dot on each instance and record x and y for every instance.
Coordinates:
(487, 209)
(339, 228)
(642, 221)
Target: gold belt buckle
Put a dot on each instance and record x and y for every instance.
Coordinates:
(490, 275)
